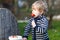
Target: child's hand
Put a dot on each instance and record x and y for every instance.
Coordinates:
(24, 38)
(33, 24)
(14, 36)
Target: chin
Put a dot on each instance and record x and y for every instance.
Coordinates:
(35, 16)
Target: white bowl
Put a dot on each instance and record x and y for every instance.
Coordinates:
(15, 38)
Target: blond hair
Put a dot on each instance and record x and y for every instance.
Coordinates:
(40, 4)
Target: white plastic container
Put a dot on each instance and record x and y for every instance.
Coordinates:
(15, 38)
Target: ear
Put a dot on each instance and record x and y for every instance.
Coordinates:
(40, 10)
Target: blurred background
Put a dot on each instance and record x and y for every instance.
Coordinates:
(22, 10)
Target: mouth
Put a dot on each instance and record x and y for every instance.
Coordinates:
(32, 15)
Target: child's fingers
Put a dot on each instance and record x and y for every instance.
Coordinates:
(24, 39)
(14, 36)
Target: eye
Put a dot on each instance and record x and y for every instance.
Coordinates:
(33, 8)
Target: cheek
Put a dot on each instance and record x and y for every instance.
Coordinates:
(35, 13)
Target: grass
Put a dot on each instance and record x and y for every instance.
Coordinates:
(54, 32)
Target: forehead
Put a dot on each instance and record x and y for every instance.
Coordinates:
(35, 7)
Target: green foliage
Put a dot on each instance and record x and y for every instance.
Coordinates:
(54, 33)
(21, 27)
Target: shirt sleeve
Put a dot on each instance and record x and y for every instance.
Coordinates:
(44, 26)
(27, 30)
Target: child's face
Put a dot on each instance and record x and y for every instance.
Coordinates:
(36, 12)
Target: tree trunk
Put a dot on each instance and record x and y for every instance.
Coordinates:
(50, 21)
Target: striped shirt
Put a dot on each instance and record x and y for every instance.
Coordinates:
(40, 31)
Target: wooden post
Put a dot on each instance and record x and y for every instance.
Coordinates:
(15, 7)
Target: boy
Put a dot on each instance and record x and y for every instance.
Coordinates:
(38, 23)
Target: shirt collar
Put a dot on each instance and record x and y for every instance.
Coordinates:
(39, 17)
